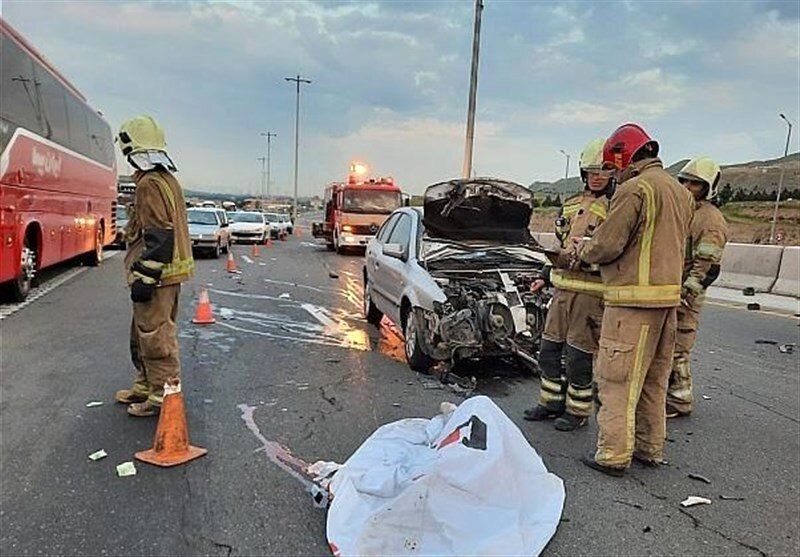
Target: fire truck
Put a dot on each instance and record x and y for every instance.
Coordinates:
(356, 209)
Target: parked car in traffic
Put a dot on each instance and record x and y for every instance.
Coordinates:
(457, 280)
(248, 226)
(287, 222)
(122, 224)
(208, 230)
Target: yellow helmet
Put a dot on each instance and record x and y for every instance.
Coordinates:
(141, 133)
(592, 155)
(702, 169)
(141, 140)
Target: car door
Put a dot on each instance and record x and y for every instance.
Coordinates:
(393, 272)
(372, 263)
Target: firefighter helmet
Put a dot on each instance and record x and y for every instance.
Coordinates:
(703, 169)
(592, 156)
(141, 140)
(624, 143)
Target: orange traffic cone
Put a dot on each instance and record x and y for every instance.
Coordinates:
(203, 315)
(230, 266)
(171, 445)
(254, 250)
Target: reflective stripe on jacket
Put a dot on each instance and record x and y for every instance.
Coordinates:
(640, 246)
(708, 234)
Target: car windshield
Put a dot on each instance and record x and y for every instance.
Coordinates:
(246, 217)
(122, 213)
(371, 201)
(201, 217)
(271, 217)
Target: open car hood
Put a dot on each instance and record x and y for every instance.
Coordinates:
(485, 209)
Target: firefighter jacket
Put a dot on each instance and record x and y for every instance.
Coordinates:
(640, 246)
(159, 247)
(708, 233)
(579, 217)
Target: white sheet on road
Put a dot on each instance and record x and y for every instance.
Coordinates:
(463, 483)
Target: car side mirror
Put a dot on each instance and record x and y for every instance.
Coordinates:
(398, 251)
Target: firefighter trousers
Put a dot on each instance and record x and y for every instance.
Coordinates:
(572, 329)
(632, 370)
(679, 391)
(154, 342)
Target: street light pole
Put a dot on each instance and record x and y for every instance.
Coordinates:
(566, 173)
(466, 170)
(262, 159)
(269, 136)
(297, 80)
(780, 182)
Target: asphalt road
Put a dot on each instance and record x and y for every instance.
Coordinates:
(321, 395)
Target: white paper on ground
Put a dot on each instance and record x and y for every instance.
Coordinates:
(463, 483)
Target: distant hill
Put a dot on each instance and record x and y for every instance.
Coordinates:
(748, 176)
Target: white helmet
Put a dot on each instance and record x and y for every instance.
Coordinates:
(702, 169)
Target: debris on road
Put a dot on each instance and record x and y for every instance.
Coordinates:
(94, 404)
(699, 478)
(126, 469)
(786, 348)
(646, 529)
(333, 275)
(628, 503)
(396, 404)
(285, 296)
(226, 314)
(766, 341)
(97, 455)
(748, 291)
(455, 470)
(754, 306)
(332, 360)
(693, 500)
(731, 498)
(706, 397)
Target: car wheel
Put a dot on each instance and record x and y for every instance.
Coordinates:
(417, 359)
(372, 313)
(217, 250)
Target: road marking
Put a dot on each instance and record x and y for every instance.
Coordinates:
(318, 313)
(45, 288)
(297, 285)
(247, 259)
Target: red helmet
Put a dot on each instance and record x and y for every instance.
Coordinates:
(623, 144)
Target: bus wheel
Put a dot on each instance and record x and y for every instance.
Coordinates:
(21, 286)
(95, 258)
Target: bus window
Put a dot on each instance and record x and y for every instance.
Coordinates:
(18, 100)
(54, 107)
(99, 134)
(78, 126)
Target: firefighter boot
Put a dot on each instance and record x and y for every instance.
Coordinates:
(539, 413)
(552, 384)
(570, 422)
(144, 409)
(613, 471)
(130, 396)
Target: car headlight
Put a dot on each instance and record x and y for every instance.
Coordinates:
(347, 228)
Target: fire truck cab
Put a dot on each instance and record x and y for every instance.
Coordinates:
(355, 210)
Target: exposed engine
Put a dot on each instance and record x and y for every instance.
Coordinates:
(492, 311)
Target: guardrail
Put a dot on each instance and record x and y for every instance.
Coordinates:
(773, 269)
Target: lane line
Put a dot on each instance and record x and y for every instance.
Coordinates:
(47, 287)
(247, 259)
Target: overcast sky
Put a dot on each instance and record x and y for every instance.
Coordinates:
(390, 81)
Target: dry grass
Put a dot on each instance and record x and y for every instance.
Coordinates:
(748, 221)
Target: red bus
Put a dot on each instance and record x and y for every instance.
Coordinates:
(58, 179)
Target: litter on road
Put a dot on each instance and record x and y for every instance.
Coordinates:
(786, 348)
(94, 404)
(463, 483)
(97, 455)
(285, 296)
(126, 469)
(731, 498)
(700, 478)
(693, 500)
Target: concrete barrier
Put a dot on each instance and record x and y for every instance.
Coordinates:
(788, 283)
(749, 265)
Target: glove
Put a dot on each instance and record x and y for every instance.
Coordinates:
(141, 291)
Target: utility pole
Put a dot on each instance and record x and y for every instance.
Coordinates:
(466, 170)
(262, 159)
(780, 182)
(269, 136)
(566, 172)
(297, 80)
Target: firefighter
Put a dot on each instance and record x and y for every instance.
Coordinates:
(158, 260)
(640, 250)
(707, 236)
(576, 311)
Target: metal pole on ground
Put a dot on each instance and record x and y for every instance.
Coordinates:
(780, 182)
(269, 136)
(466, 170)
(566, 172)
(297, 80)
(262, 159)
